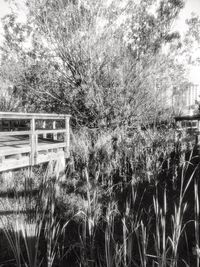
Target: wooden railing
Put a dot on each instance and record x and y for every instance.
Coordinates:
(188, 129)
(34, 133)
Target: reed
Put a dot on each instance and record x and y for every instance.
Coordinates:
(179, 212)
(23, 238)
(127, 216)
(196, 221)
(14, 240)
(160, 238)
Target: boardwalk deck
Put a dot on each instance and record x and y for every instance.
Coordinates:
(30, 146)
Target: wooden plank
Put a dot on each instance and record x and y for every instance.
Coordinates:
(27, 116)
(18, 142)
(42, 158)
(51, 146)
(14, 163)
(18, 133)
(12, 137)
(11, 164)
(15, 133)
(50, 131)
(14, 151)
(13, 143)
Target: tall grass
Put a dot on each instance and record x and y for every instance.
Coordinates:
(197, 221)
(25, 234)
(134, 209)
(160, 238)
(23, 238)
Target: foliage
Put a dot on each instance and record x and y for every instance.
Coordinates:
(99, 61)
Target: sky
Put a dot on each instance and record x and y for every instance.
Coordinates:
(190, 6)
(3, 8)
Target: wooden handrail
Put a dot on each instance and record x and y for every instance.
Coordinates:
(18, 133)
(13, 151)
(28, 116)
(50, 131)
(34, 134)
(15, 133)
(51, 146)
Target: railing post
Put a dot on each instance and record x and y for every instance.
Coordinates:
(55, 134)
(36, 149)
(44, 127)
(2, 158)
(32, 141)
(67, 137)
(198, 132)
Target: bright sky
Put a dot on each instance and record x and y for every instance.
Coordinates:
(190, 6)
(4, 9)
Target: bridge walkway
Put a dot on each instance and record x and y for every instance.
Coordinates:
(29, 139)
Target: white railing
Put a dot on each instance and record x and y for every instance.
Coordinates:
(33, 134)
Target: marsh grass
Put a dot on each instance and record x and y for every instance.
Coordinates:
(23, 239)
(197, 221)
(135, 206)
(26, 233)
